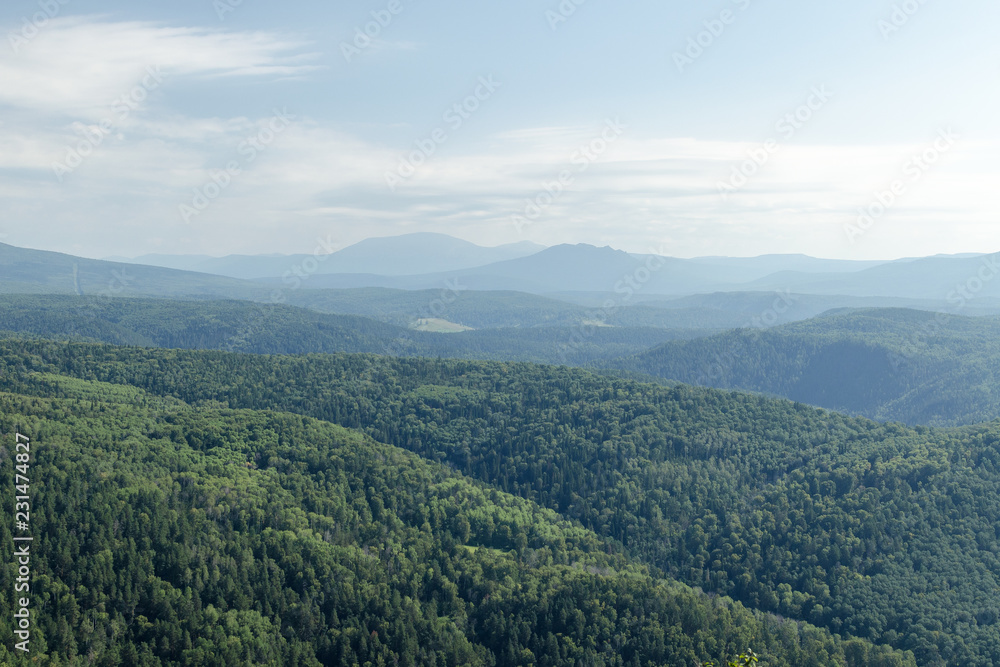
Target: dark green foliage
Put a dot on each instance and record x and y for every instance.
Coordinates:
(890, 364)
(875, 531)
(170, 535)
(243, 326)
(229, 325)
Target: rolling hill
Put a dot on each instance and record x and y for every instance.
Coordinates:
(889, 364)
(511, 310)
(280, 329)
(568, 268)
(23, 270)
(169, 534)
(872, 531)
(956, 279)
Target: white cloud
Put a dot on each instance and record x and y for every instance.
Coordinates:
(316, 179)
(78, 66)
(640, 193)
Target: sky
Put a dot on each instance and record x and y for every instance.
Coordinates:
(861, 129)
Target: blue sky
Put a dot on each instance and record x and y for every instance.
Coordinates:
(740, 127)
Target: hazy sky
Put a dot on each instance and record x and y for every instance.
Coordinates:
(245, 126)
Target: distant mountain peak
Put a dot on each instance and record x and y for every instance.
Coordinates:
(578, 248)
(415, 253)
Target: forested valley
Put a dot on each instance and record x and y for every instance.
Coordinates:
(202, 535)
(890, 364)
(878, 534)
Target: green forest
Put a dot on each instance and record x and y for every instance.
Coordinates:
(888, 364)
(184, 535)
(277, 328)
(917, 367)
(877, 534)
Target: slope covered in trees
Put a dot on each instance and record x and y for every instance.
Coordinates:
(172, 535)
(874, 531)
(506, 310)
(886, 364)
(244, 326)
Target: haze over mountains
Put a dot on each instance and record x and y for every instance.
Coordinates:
(789, 509)
(416, 253)
(24, 270)
(429, 261)
(526, 286)
(495, 295)
(888, 364)
(657, 317)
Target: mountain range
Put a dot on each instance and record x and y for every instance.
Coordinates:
(271, 471)
(429, 261)
(408, 254)
(825, 349)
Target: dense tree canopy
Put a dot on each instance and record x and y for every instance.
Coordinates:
(173, 535)
(269, 328)
(873, 531)
(888, 364)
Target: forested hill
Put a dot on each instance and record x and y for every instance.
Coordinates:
(23, 270)
(887, 364)
(217, 324)
(874, 531)
(167, 534)
(265, 328)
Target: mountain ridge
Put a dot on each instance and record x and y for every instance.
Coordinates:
(416, 253)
